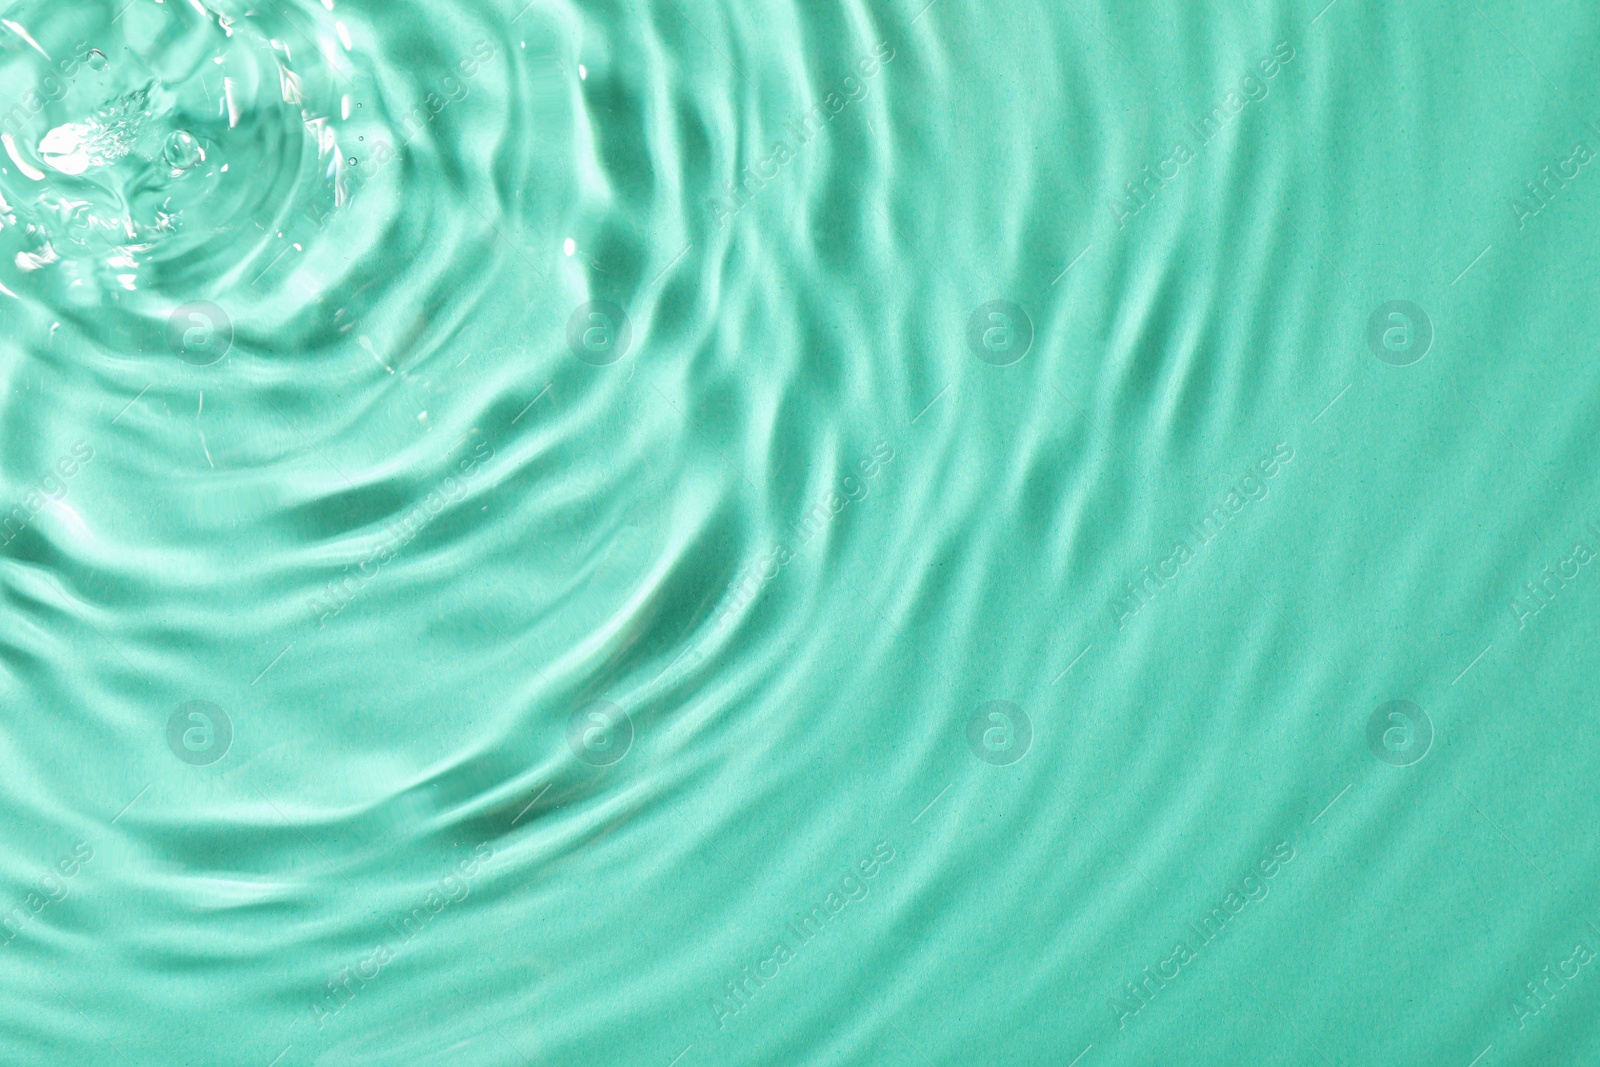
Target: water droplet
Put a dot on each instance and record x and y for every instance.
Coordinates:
(97, 60)
(183, 151)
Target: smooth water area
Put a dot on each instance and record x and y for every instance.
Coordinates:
(685, 534)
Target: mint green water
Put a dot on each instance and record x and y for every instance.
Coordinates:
(929, 534)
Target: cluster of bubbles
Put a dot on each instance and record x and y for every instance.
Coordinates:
(162, 148)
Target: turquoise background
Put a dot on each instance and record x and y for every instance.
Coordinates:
(598, 514)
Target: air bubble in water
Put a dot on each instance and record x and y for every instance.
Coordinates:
(183, 151)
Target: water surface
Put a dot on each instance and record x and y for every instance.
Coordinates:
(775, 533)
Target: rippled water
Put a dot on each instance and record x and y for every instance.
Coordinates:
(670, 534)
